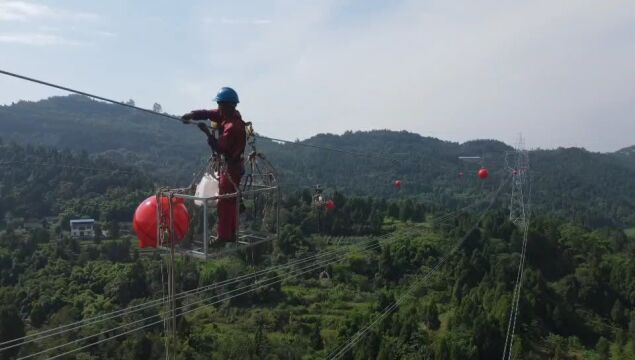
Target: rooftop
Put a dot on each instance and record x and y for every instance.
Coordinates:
(82, 221)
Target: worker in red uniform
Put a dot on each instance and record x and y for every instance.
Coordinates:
(231, 145)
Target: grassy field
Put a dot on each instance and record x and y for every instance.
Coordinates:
(630, 232)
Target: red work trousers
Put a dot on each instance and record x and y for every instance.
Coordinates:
(228, 208)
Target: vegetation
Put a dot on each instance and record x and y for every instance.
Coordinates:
(576, 298)
(591, 188)
(576, 302)
(156, 145)
(38, 182)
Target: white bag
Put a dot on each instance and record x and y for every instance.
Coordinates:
(206, 188)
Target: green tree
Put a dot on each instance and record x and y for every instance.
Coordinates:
(289, 241)
(261, 343)
(617, 313)
(317, 343)
(431, 315)
(11, 327)
(98, 235)
(387, 268)
(38, 315)
(113, 229)
(603, 347)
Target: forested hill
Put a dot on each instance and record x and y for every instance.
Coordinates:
(627, 154)
(592, 188)
(36, 182)
(627, 151)
(424, 165)
(155, 144)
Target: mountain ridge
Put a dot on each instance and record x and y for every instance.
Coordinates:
(428, 167)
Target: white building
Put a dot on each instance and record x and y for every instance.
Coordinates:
(83, 228)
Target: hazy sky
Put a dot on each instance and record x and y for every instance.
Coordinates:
(561, 72)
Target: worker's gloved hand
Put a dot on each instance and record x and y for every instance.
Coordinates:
(187, 117)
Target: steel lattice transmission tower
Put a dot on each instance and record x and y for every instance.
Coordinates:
(518, 165)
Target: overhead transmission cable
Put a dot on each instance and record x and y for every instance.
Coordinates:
(168, 116)
(79, 92)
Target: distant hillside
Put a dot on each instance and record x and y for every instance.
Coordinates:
(629, 151)
(627, 155)
(593, 188)
(37, 182)
(427, 167)
(158, 145)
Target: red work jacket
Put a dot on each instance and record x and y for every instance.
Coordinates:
(232, 133)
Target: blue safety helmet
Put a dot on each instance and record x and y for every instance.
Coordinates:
(227, 94)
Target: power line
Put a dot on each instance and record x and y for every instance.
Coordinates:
(172, 117)
(60, 87)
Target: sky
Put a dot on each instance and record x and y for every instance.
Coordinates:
(561, 72)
